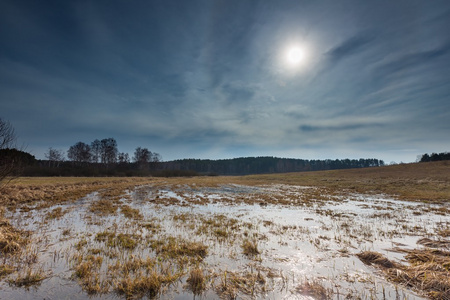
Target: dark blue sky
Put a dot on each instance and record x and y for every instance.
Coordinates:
(211, 79)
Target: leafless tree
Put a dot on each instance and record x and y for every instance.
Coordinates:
(145, 158)
(80, 152)
(142, 157)
(155, 159)
(7, 135)
(96, 150)
(7, 141)
(108, 151)
(54, 157)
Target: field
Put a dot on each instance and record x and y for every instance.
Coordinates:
(378, 233)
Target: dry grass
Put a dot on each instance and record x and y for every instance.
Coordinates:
(135, 277)
(434, 243)
(56, 213)
(314, 289)
(232, 284)
(104, 207)
(428, 271)
(219, 226)
(113, 263)
(131, 213)
(123, 240)
(5, 270)
(418, 181)
(87, 270)
(428, 182)
(28, 277)
(250, 247)
(138, 286)
(375, 258)
(196, 281)
(176, 247)
(53, 190)
(11, 239)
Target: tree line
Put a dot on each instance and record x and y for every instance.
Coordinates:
(266, 164)
(102, 158)
(98, 158)
(104, 152)
(435, 157)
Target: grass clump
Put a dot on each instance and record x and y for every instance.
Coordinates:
(131, 213)
(104, 207)
(28, 278)
(314, 289)
(196, 281)
(233, 283)
(11, 239)
(375, 258)
(136, 277)
(152, 227)
(87, 270)
(428, 272)
(127, 241)
(137, 287)
(123, 240)
(56, 213)
(250, 247)
(5, 270)
(175, 248)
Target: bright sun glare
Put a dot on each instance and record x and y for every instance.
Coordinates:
(295, 56)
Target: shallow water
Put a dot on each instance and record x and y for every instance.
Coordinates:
(312, 240)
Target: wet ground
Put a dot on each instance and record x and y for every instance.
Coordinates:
(250, 242)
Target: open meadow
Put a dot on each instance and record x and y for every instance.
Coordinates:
(377, 233)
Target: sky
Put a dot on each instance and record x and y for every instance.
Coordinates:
(222, 79)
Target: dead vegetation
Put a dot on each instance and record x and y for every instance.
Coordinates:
(28, 277)
(50, 190)
(428, 182)
(314, 289)
(11, 239)
(196, 281)
(231, 284)
(250, 247)
(377, 259)
(156, 241)
(176, 247)
(428, 271)
(104, 207)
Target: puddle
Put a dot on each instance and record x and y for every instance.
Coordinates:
(302, 237)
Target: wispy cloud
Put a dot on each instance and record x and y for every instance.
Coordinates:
(350, 47)
(204, 76)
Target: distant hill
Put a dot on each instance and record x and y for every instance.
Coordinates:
(265, 165)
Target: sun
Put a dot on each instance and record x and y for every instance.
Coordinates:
(295, 55)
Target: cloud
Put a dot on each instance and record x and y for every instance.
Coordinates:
(238, 92)
(411, 61)
(350, 47)
(339, 127)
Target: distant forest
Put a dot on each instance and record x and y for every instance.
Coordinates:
(144, 165)
(103, 158)
(435, 157)
(266, 164)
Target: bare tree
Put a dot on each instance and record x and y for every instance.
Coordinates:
(7, 135)
(54, 157)
(123, 158)
(142, 157)
(155, 159)
(80, 152)
(108, 151)
(7, 141)
(96, 150)
(145, 158)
